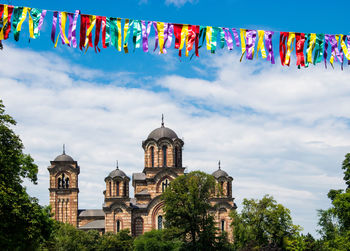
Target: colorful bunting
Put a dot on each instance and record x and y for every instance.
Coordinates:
(97, 32)
(115, 33)
(291, 38)
(146, 29)
(250, 43)
(283, 49)
(310, 47)
(268, 44)
(299, 49)
(127, 29)
(137, 32)
(6, 22)
(168, 36)
(228, 38)
(319, 48)
(261, 47)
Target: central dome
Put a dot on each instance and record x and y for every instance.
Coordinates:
(64, 157)
(162, 132)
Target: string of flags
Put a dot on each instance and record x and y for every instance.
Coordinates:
(310, 48)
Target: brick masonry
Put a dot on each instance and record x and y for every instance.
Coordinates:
(144, 212)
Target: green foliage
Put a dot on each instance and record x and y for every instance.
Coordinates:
(121, 241)
(157, 240)
(187, 208)
(24, 224)
(303, 243)
(335, 222)
(67, 238)
(263, 224)
(346, 168)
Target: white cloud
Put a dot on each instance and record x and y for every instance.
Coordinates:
(179, 3)
(277, 131)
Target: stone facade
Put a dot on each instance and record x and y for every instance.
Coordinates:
(144, 212)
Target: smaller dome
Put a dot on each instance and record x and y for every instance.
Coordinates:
(116, 173)
(64, 157)
(219, 173)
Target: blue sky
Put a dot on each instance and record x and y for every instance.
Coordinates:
(277, 130)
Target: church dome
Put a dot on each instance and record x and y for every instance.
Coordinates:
(219, 173)
(162, 132)
(116, 173)
(64, 157)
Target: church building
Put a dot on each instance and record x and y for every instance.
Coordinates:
(144, 211)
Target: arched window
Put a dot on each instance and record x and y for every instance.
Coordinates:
(164, 148)
(165, 184)
(59, 183)
(152, 156)
(63, 181)
(222, 225)
(118, 226)
(228, 189)
(124, 188)
(176, 157)
(138, 226)
(110, 188)
(160, 222)
(117, 188)
(222, 187)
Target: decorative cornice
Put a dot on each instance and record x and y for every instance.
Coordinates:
(172, 141)
(63, 167)
(115, 199)
(64, 190)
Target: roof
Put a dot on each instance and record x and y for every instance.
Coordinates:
(143, 192)
(117, 173)
(96, 224)
(219, 173)
(91, 213)
(162, 132)
(134, 204)
(64, 157)
(139, 176)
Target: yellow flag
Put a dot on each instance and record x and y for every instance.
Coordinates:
(261, 46)
(290, 41)
(345, 49)
(311, 47)
(89, 30)
(160, 28)
(208, 37)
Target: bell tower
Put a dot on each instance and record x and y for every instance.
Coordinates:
(64, 171)
(163, 148)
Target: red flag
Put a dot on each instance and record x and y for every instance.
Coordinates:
(283, 49)
(299, 48)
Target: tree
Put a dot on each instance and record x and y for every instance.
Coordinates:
(24, 224)
(66, 237)
(335, 221)
(187, 208)
(263, 225)
(122, 241)
(158, 240)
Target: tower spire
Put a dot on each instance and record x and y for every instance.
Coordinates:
(117, 165)
(219, 165)
(162, 120)
(64, 149)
